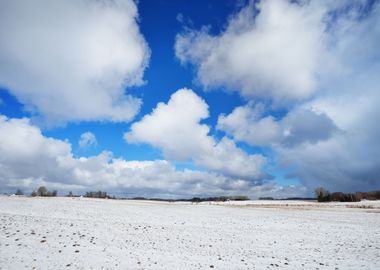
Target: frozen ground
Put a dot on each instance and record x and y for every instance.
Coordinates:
(78, 233)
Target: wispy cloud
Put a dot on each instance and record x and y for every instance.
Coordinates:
(87, 140)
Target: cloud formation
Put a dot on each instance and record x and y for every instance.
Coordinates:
(71, 60)
(330, 138)
(348, 160)
(87, 140)
(271, 49)
(175, 128)
(247, 124)
(28, 159)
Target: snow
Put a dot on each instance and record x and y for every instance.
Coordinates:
(80, 233)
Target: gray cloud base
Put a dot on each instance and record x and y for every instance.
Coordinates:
(330, 134)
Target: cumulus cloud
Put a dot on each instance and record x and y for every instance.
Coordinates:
(175, 128)
(349, 160)
(247, 124)
(71, 60)
(271, 49)
(28, 159)
(332, 138)
(87, 140)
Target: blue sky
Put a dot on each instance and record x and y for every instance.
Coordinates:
(254, 96)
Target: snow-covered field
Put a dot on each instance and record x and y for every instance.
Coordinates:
(78, 233)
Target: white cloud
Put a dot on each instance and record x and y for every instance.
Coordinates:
(271, 49)
(332, 139)
(247, 124)
(350, 159)
(87, 140)
(179, 17)
(175, 128)
(71, 60)
(28, 159)
(24, 152)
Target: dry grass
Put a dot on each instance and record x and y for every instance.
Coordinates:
(361, 206)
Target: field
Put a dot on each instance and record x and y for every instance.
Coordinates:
(79, 233)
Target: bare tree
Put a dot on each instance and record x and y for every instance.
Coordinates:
(323, 195)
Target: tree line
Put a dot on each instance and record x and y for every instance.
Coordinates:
(43, 192)
(323, 195)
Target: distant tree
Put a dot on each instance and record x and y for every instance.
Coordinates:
(337, 196)
(42, 191)
(70, 194)
(240, 198)
(346, 197)
(266, 198)
(19, 192)
(196, 199)
(372, 195)
(323, 195)
(96, 194)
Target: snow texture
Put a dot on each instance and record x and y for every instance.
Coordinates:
(79, 233)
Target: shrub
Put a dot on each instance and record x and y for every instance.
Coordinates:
(19, 192)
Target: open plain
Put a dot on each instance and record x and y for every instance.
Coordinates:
(79, 233)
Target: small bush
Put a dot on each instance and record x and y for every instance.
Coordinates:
(19, 192)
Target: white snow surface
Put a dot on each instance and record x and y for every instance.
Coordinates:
(80, 233)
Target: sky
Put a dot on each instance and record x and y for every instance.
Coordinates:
(178, 99)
